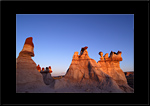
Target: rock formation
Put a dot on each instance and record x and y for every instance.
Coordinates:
(130, 78)
(87, 74)
(50, 70)
(83, 75)
(129, 73)
(27, 76)
(38, 68)
(47, 78)
(111, 66)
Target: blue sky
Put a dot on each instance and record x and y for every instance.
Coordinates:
(57, 36)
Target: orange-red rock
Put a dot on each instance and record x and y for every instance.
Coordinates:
(111, 67)
(39, 68)
(43, 69)
(29, 41)
(28, 47)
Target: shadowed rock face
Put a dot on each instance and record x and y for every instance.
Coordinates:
(47, 78)
(130, 78)
(27, 75)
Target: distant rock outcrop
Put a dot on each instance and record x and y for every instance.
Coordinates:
(86, 73)
(129, 74)
(27, 76)
(130, 78)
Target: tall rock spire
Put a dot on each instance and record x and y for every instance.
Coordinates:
(27, 76)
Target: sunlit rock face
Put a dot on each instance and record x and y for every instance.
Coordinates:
(27, 76)
(83, 75)
(111, 66)
(86, 73)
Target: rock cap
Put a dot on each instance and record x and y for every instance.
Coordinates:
(28, 47)
(29, 41)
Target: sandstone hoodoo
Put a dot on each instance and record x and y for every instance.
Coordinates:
(111, 66)
(27, 76)
(87, 74)
(47, 78)
(83, 75)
